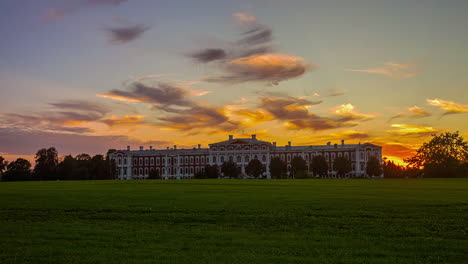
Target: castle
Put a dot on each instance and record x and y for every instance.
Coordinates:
(174, 163)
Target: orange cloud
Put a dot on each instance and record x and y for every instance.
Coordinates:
(118, 97)
(448, 106)
(347, 112)
(128, 120)
(270, 68)
(404, 130)
(417, 111)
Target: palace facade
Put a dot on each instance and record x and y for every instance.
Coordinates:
(174, 163)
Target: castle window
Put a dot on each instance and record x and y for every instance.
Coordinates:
(146, 161)
(264, 158)
(222, 159)
(239, 158)
(214, 159)
(152, 161)
(197, 160)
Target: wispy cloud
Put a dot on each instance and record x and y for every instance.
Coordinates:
(127, 121)
(65, 116)
(449, 107)
(54, 14)
(405, 130)
(177, 110)
(252, 58)
(124, 34)
(244, 17)
(393, 70)
(418, 112)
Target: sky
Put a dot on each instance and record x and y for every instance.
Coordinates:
(86, 76)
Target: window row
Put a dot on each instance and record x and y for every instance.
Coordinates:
(168, 171)
(169, 161)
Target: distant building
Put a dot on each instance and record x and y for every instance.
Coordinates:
(173, 163)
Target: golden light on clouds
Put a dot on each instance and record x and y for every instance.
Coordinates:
(404, 129)
(118, 97)
(448, 106)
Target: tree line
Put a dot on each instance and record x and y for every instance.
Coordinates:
(298, 169)
(49, 167)
(444, 156)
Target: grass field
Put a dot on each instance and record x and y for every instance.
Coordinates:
(235, 221)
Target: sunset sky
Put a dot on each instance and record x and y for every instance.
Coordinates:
(88, 75)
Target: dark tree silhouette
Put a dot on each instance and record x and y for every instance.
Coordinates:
(278, 168)
(373, 167)
(255, 168)
(342, 166)
(2, 165)
(230, 169)
(392, 170)
(319, 166)
(445, 155)
(298, 167)
(212, 172)
(153, 175)
(67, 168)
(18, 170)
(46, 164)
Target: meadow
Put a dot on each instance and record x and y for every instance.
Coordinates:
(235, 221)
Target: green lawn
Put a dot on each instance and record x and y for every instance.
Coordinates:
(235, 221)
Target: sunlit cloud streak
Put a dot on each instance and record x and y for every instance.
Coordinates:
(406, 130)
(126, 121)
(448, 106)
(347, 113)
(418, 112)
(393, 70)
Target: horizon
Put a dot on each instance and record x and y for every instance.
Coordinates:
(88, 76)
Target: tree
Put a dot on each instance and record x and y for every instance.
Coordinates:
(255, 168)
(2, 165)
(342, 166)
(278, 168)
(212, 172)
(373, 167)
(299, 167)
(445, 155)
(19, 170)
(67, 168)
(153, 174)
(392, 170)
(319, 166)
(46, 164)
(230, 169)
